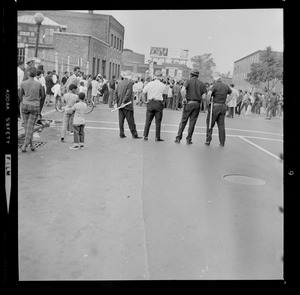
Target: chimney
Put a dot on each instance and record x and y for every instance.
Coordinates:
(90, 11)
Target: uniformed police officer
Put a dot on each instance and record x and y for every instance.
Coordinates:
(154, 96)
(217, 95)
(193, 91)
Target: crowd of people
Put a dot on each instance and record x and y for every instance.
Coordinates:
(105, 91)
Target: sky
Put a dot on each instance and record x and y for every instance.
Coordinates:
(227, 34)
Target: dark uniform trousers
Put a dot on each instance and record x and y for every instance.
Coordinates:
(154, 109)
(218, 115)
(190, 110)
(128, 114)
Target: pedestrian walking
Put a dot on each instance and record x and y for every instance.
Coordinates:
(49, 85)
(239, 102)
(217, 96)
(31, 92)
(245, 101)
(154, 96)
(193, 91)
(176, 96)
(271, 104)
(30, 64)
(21, 68)
(79, 122)
(39, 77)
(71, 98)
(231, 101)
(111, 87)
(74, 78)
(124, 94)
(95, 88)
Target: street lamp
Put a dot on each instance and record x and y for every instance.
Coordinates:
(38, 17)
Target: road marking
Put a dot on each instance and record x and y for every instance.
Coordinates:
(201, 127)
(260, 148)
(175, 132)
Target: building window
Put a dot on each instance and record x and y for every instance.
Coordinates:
(115, 38)
(111, 39)
(117, 43)
(98, 65)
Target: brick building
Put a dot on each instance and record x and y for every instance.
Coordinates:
(92, 41)
(242, 68)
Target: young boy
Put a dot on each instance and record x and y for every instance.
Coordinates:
(71, 98)
(79, 122)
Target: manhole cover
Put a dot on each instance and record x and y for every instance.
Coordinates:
(36, 144)
(244, 179)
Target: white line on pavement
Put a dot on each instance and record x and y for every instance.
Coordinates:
(175, 132)
(259, 147)
(173, 125)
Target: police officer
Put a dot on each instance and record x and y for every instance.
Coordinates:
(153, 92)
(218, 92)
(193, 91)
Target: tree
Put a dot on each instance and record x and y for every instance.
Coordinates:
(268, 70)
(204, 64)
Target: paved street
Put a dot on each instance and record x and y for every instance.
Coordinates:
(124, 209)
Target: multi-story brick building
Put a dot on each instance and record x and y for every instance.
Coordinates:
(242, 68)
(67, 39)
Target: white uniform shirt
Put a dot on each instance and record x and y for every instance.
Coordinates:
(154, 90)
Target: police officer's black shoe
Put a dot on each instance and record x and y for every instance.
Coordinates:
(122, 136)
(145, 138)
(207, 143)
(177, 140)
(189, 142)
(136, 137)
(159, 139)
(222, 144)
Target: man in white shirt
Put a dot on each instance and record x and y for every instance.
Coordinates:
(21, 68)
(231, 101)
(73, 79)
(154, 91)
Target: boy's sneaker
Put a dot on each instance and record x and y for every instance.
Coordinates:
(81, 146)
(74, 147)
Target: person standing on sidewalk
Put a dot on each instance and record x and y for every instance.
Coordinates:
(218, 92)
(154, 96)
(124, 94)
(193, 91)
(239, 102)
(31, 91)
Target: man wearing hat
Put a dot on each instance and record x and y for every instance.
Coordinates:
(30, 64)
(153, 92)
(193, 91)
(122, 95)
(218, 92)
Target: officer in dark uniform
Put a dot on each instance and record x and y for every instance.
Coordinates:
(217, 95)
(193, 91)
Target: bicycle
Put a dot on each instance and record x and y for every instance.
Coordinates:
(60, 104)
(90, 104)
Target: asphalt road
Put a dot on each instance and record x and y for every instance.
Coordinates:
(124, 209)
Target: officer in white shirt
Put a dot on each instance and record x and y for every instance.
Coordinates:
(154, 96)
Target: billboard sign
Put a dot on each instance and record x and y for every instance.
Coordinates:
(159, 51)
(173, 53)
(178, 53)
